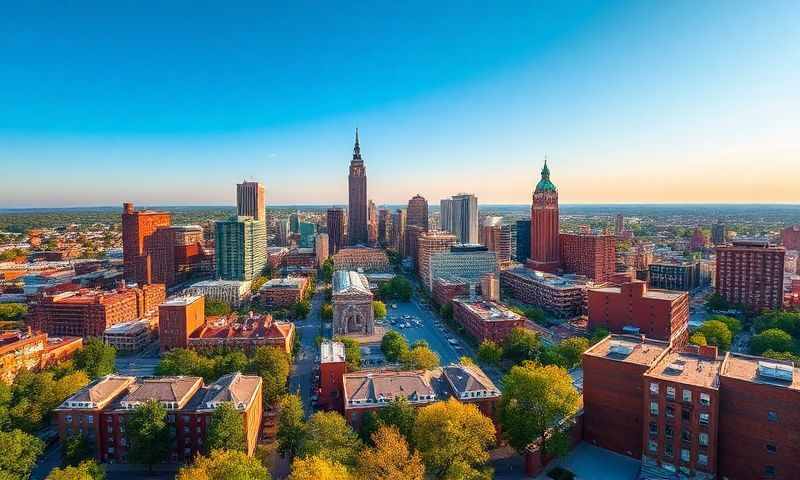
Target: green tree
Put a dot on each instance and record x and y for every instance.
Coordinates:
(733, 323)
(257, 283)
(318, 468)
(301, 309)
(327, 270)
(716, 333)
(397, 288)
(224, 465)
(181, 361)
(13, 312)
(717, 302)
(390, 459)
(352, 352)
(571, 349)
(329, 436)
(216, 309)
(96, 358)
(394, 346)
(272, 365)
(446, 311)
(20, 451)
(87, 470)
(291, 426)
(225, 429)
(773, 339)
(148, 434)
(536, 399)
(598, 334)
(521, 344)
(453, 439)
(698, 338)
(230, 362)
(327, 311)
(76, 449)
(421, 357)
(789, 322)
(782, 356)
(399, 414)
(379, 309)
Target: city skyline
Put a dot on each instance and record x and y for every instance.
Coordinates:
(466, 100)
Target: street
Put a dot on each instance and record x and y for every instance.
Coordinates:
(301, 379)
(140, 364)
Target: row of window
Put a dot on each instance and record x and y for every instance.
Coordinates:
(705, 398)
(686, 435)
(685, 453)
(686, 415)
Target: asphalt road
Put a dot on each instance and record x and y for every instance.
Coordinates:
(141, 364)
(301, 379)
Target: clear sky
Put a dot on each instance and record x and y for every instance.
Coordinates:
(174, 102)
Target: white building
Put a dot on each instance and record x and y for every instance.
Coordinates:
(230, 292)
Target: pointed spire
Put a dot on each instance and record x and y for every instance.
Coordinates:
(357, 148)
(545, 169)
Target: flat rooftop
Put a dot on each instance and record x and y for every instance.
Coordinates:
(487, 310)
(218, 283)
(331, 352)
(759, 370)
(630, 349)
(181, 301)
(128, 327)
(549, 279)
(288, 282)
(688, 368)
(658, 294)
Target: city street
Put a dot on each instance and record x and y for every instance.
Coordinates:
(301, 380)
(141, 364)
(428, 331)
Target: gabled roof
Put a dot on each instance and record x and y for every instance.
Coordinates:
(349, 282)
(468, 378)
(235, 388)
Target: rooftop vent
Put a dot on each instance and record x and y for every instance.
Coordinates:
(675, 367)
(618, 348)
(775, 371)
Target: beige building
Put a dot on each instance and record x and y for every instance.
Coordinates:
(352, 304)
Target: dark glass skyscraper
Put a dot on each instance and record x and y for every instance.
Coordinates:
(357, 205)
(523, 240)
(335, 230)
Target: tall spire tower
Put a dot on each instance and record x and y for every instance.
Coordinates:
(544, 225)
(357, 232)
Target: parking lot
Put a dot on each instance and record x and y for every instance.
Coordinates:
(423, 326)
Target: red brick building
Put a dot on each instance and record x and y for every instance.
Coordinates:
(336, 229)
(544, 225)
(613, 396)
(751, 273)
(332, 367)
(88, 313)
(593, 256)
(244, 333)
(178, 318)
(361, 259)
(633, 308)
(146, 259)
(445, 290)
(561, 296)
(790, 237)
(283, 292)
(417, 212)
(101, 410)
(497, 238)
(32, 351)
(428, 243)
(485, 320)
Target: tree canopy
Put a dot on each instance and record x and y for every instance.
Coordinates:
(224, 465)
(420, 357)
(226, 430)
(20, 451)
(148, 434)
(773, 339)
(352, 352)
(87, 470)
(398, 414)
(378, 309)
(12, 312)
(716, 333)
(96, 358)
(394, 346)
(318, 468)
(329, 436)
(273, 366)
(490, 352)
(291, 425)
(521, 344)
(390, 459)
(216, 309)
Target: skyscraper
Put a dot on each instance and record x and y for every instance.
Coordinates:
(523, 240)
(718, 233)
(372, 224)
(399, 219)
(335, 230)
(251, 200)
(428, 243)
(283, 232)
(357, 205)
(619, 224)
(384, 225)
(241, 248)
(140, 247)
(460, 217)
(418, 212)
(544, 254)
(750, 273)
(446, 214)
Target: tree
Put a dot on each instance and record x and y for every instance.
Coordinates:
(20, 451)
(378, 309)
(352, 352)
(87, 470)
(148, 434)
(182, 361)
(12, 312)
(698, 338)
(536, 400)
(217, 309)
(225, 430)
(272, 365)
(733, 323)
(782, 356)
(394, 346)
(399, 414)
(96, 358)
(716, 333)
(257, 283)
(490, 352)
(453, 438)
(318, 468)
(76, 449)
(773, 339)
(717, 302)
(571, 349)
(291, 426)
(327, 311)
(224, 465)
(446, 311)
(521, 344)
(598, 334)
(301, 309)
(390, 459)
(329, 436)
(397, 288)
(789, 322)
(421, 357)
(327, 270)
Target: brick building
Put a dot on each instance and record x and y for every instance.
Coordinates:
(88, 313)
(178, 318)
(33, 351)
(361, 259)
(130, 336)
(283, 292)
(790, 237)
(332, 366)
(497, 238)
(336, 229)
(411, 239)
(445, 290)
(633, 308)
(433, 241)
(357, 198)
(100, 411)
(667, 275)
(300, 257)
(561, 296)
(593, 256)
(485, 320)
(544, 249)
(751, 273)
(146, 259)
(243, 332)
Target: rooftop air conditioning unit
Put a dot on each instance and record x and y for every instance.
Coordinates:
(618, 348)
(775, 371)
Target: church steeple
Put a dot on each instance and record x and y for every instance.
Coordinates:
(357, 149)
(545, 185)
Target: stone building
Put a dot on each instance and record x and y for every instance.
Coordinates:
(352, 304)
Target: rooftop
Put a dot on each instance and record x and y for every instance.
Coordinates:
(181, 301)
(549, 279)
(670, 295)
(128, 327)
(488, 310)
(349, 281)
(761, 370)
(99, 392)
(331, 352)
(218, 283)
(238, 389)
(469, 378)
(689, 367)
(630, 349)
(170, 390)
(288, 282)
(377, 386)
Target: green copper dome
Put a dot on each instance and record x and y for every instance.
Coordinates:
(545, 185)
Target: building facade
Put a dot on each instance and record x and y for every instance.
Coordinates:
(464, 218)
(33, 351)
(467, 262)
(684, 276)
(523, 241)
(335, 222)
(241, 248)
(229, 292)
(398, 240)
(251, 201)
(321, 248)
(561, 296)
(593, 256)
(429, 243)
(143, 260)
(485, 320)
(790, 237)
(364, 259)
(177, 319)
(357, 204)
(417, 212)
(544, 251)
(750, 273)
(283, 292)
(352, 304)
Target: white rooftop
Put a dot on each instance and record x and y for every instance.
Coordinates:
(331, 352)
(182, 301)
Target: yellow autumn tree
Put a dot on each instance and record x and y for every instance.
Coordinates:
(224, 465)
(390, 459)
(318, 468)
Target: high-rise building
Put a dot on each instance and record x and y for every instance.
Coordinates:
(177, 319)
(619, 224)
(372, 224)
(251, 200)
(465, 218)
(321, 248)
(241, 248)
(294, 222)
(284, 231)
(698, 240)
(411, 237)
(446, 214)
(399, 219)
(307, 232)
(750, 273)
(719, 233)
(418, 212)
(138, 247)
(682, 275)
(790, 237)
(430, 242)
(523, 240)
(384, 225)
(497, 238)
(591, 255)
(335, 229)
(465, 262)
(544, 254)
(357, 205)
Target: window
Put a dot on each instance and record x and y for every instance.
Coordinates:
(702, 459)
(772, 416)
(705, 399)
(652, 445)
(653, 408)
(772, 448)
(671, 393)
(670, 411)
(653, 388)
(668, 450)
(704, 417)
(703, 439)
(687, 395)
(686, 436)
(653, 428)
(668, 432)
(685, 455)
(686, 415)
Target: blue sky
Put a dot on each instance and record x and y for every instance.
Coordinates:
(104, 102)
